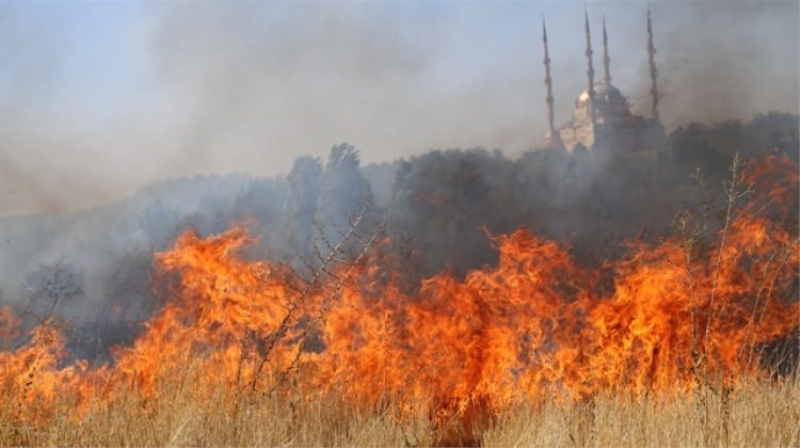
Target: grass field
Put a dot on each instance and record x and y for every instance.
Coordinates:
(757, 414)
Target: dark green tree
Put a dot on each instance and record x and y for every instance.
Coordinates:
(301, 204)
(345, 203)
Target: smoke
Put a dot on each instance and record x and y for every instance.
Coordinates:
(29, 58)
(286, 79)
(97, 100)
(294, 79)
(57, 152)
(720, 63)
(280, 80)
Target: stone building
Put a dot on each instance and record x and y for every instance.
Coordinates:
(602, 120)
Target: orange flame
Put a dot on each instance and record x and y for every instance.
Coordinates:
(536, 325)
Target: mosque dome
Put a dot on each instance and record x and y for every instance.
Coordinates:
(603, 92)
(608, 107)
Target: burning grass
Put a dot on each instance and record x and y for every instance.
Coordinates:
(534, 351)
(757, 414)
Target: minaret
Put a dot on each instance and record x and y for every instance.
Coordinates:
(590, 109)
(548, 81)
(651, 51)
(606, 59)
(590, 72)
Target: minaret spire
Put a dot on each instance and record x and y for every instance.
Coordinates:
(548, 81)
(651, 51)
(590, 72)
(606, 59)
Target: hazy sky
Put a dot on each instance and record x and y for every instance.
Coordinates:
(100, 98)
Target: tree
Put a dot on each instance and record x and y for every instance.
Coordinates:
(442, 202)
(53, 286)
(159, 224)
(301, 204)
(344, 195)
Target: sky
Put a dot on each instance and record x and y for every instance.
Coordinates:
(100, 98)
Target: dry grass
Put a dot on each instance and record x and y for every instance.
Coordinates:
(755, 415)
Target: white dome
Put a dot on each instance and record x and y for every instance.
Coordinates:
(603, 92)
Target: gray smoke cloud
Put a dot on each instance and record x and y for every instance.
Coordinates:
(327, 73)
(720, 62)
(250, 86)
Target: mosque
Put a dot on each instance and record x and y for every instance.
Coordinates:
(602, 120)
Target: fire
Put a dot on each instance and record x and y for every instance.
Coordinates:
(537, 325)
(668, 318)
(34, 375)
(222, 317)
